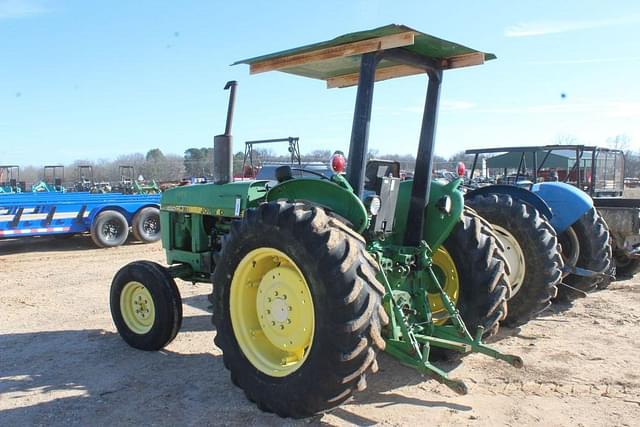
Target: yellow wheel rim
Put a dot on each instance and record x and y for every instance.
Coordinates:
(445, 270)
(272, 312)
(137, 308)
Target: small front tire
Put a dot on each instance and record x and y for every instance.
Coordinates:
(145, 305)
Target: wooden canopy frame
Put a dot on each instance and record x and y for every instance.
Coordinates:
(337, 61)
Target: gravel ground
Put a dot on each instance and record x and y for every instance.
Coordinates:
(62, 362)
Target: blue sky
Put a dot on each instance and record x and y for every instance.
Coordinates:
(90, 80)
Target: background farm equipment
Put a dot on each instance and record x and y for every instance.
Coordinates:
(85, 181)
(256, 166)
(599, 172)
(130, 184)
(10, 180)
(52, 179)
(567, 206)
(313, 276)
(251, 164)
(84, 178)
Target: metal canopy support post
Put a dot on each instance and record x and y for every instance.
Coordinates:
(578, 160)
(592, 184)
(361, 118)
(424, 162)
(473, 168)
(519, 168)
(546, 156)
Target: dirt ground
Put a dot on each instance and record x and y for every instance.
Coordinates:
(62, 363)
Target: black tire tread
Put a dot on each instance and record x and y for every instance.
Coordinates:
(481, 269)
(96, 235)
(136, 226)
(595, 253)
(167, 300)
(351, 335)
(543, 271)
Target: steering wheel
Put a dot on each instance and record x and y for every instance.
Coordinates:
(312, 173)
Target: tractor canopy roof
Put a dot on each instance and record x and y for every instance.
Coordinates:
(337, 61)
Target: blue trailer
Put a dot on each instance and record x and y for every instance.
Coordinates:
(107, 217)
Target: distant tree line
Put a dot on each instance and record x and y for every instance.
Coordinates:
(198, 162)
(154, 165)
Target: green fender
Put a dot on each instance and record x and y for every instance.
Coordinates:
(323, 193)
(437, 224)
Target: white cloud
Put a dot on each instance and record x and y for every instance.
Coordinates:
(10, 9)
(539, 28)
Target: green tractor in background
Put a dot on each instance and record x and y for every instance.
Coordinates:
(312, 277)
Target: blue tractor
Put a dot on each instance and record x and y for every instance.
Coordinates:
(556, 242)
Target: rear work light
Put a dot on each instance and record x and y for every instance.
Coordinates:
(338, 162)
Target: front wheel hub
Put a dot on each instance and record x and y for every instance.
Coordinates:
(282, 302)
(137, 307)
(515, 258)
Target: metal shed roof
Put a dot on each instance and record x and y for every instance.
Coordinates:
(337, 61)
(512, 160)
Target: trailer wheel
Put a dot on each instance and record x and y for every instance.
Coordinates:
(480, 265)
(146, 225)
(297, 309)
(109, 229)
(586, 242)
(145, 305)
(531, 249)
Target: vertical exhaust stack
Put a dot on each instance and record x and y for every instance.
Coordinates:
(223, 144)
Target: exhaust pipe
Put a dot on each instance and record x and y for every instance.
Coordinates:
(223, 144)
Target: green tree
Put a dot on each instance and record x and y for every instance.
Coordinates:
(155, 155)
(198, 161)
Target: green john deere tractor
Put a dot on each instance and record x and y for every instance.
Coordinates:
(312, 277)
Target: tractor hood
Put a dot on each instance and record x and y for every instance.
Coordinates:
(228, 200)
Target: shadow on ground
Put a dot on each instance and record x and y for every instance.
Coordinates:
(393, 375)
(51, 244)
(91, 377)
(82, 377)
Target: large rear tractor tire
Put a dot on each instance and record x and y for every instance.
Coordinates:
(586, 245)
(109, 229)
(297, 309)
(480, 268)
(146, 225)
(145, 305)
(531, 249)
